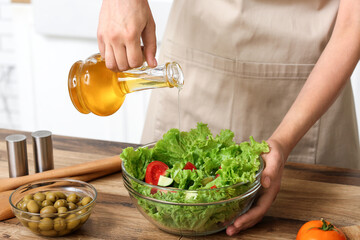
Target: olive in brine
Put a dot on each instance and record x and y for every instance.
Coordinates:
(72, 206)
(64, 232)
(23, 205)
(46, 203)
(73, 197)
(46, 224)
(33, 223)
(62, 211)
(72, 221)
(39, 196)
(39, 203)
(18, 205)
(48, 211)
(83, 215)
(33, 207)
(28, 197)
(59, 224)
(51, 196)
(60, 203)
(60, 195)
(86, 200)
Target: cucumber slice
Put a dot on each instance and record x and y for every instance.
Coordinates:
(190, 195)
(206, 180)
(164, 181)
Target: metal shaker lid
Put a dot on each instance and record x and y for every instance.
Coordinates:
(17, 155)
(43, 150)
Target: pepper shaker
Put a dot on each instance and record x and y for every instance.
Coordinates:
(43, 151)
(17, 155)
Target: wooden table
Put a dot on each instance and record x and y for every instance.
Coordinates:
(308, 192)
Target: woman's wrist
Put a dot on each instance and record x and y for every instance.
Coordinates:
(283, 145)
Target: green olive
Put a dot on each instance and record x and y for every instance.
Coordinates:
(60, 195)
(23, 205)
(51, 196)
(73, 197)
(48, 211)
(39, 196)
(46, 203)
(46, 224)
(33, 207)
(72, 206)
(59, 224)
(72, 221)
(49, 233)
(38, 203)
(64, 232)
(19, 204)
(60, 203)
(33, 223)
(83, 214)
(62, 211)
(28, 197)
(86, 200)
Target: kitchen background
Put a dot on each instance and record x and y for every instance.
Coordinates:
(39, 41)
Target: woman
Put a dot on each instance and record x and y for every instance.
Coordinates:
(268, 69)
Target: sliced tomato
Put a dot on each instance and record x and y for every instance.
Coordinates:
(218, 175)
(153, 172)
(213, 187)
(153, 191)
(189, 166)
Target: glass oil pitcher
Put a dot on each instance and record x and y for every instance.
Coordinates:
(94, 88)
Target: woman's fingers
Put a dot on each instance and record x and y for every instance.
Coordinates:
(121, 25)
(149, 41)
(134, 53)
(271, 181)
(257, 212)
(110, 60)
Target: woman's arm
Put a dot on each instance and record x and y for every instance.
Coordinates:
(322, 87)
(326, 80)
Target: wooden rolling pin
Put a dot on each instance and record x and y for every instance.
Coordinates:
(106, 164)
(6, 212)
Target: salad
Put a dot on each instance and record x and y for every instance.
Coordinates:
(193, 168)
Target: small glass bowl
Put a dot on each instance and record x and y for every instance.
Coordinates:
(192, 212)
(54, 224)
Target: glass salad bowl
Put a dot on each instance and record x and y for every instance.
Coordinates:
(191, 212)
(54, 207)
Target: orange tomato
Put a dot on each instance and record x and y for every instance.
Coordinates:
(319, 230)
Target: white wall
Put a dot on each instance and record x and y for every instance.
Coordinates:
(9, 113)
(44, 44)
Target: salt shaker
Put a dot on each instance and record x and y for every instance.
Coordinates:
(43, 151)
(17, 155)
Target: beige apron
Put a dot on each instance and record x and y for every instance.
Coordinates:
(244, 64)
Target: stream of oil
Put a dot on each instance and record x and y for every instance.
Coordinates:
(179, 115)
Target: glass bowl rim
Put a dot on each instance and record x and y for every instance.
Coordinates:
(253, 185)
(55, 180)
(250, 191)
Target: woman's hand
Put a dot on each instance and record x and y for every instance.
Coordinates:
(270, 181)
(121, 25)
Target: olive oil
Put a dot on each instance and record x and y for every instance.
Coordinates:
(94, 88)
